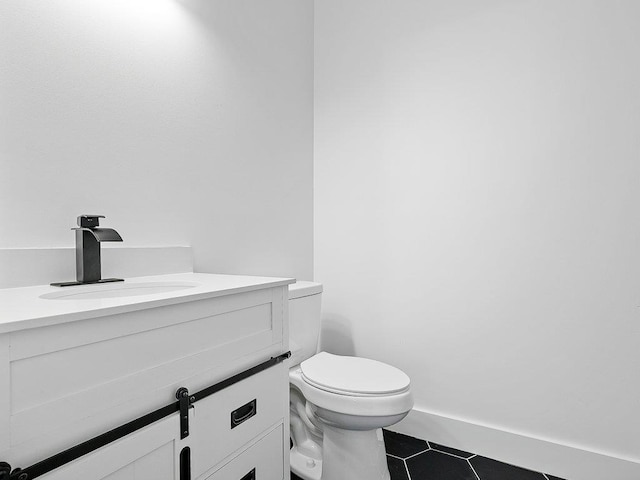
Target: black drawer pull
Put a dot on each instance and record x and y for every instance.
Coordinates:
(250, 476)
(243, 414)
(185, 464)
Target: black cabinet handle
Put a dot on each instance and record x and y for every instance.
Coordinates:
(250, 476)
(244, 413)
(185, 464)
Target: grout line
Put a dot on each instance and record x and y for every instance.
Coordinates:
(397, 458)
(452, 455)
(406, 469)
(545, 476)
(473, 469)
(416, 454)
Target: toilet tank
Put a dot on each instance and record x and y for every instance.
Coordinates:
(304, 320)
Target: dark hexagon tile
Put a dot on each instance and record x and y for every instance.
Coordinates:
(551, 477)
(434, 465)
(488, 469)
(403, 446)
(452, 451)
(397, 469)
(295, 477)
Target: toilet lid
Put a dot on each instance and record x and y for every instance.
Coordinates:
(353, 375)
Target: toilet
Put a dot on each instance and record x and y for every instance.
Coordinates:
(339, 404)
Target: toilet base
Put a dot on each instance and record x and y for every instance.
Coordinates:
(305, 467)
(346, 454)
(353, 454)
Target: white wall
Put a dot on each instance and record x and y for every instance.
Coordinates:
(476, 207)
(185, 122)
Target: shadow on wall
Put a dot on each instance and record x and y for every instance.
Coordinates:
(230, 21)
(336, 336)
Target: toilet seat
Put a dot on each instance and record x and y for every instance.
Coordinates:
(353, 376)
(387, 399)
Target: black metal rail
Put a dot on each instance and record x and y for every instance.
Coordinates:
(185, 400)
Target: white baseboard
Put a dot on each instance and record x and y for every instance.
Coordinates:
(565, 461)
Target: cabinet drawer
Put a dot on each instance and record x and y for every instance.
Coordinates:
(262, 461)
(231, 418)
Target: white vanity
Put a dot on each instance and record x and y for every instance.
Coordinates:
(77, 362)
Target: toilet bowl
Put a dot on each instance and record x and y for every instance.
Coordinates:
(347, 399)
(339, 404)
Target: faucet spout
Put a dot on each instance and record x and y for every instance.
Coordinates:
(102, 234)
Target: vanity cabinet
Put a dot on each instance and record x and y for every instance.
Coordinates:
(70, 381)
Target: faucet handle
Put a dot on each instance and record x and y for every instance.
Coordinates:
(89, 221)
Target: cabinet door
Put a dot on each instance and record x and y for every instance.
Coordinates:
(151, 453)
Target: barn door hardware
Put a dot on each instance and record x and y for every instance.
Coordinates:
(182, 405)
(184, 401)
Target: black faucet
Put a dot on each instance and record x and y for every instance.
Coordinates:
(88, 239)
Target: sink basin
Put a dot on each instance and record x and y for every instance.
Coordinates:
(119, 290)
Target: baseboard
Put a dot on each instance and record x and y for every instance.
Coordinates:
(565, 461)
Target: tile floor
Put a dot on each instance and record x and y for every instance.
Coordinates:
(414, 459)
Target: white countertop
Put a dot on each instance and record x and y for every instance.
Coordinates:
(23, 308)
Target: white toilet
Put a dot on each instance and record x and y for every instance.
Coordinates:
(338, 404)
